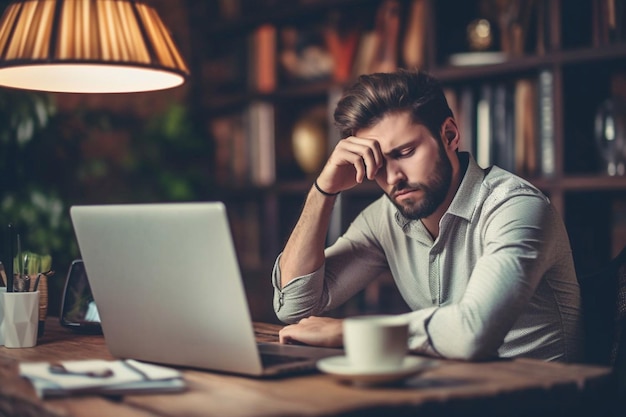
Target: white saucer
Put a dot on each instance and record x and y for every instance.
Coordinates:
(340, 368)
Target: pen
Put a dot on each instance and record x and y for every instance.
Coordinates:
(19, 257)
(37, 281)
(9, 271)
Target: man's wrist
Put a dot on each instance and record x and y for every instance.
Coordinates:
(326, 193)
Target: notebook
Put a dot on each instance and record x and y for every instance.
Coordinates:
(168, 289)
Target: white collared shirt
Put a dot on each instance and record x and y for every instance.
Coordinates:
(499, 279)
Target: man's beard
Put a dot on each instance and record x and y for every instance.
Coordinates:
(434, 192)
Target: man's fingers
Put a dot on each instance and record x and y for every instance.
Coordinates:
(364, 154)
(284, 336)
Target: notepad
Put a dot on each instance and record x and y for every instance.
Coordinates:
(125, 377)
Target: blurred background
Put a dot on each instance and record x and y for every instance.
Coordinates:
(252, 124)
(57, 150)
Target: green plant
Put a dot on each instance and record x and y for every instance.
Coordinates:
(32, 263)
(22, 116)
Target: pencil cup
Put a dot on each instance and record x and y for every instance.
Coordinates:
(30, 283)
(21, 318)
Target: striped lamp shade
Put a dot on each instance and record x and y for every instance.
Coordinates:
(87, 46)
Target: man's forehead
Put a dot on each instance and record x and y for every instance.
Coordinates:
(393, 133)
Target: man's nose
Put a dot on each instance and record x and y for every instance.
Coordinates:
(391, 173)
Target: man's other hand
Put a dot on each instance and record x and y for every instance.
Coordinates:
(314, 331)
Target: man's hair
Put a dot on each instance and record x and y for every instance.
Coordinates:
(374, 96)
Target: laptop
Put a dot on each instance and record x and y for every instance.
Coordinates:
(168, 289)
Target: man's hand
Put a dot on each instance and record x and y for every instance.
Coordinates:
(315, 331)
(352, 161)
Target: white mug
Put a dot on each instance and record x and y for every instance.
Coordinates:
(375, 342)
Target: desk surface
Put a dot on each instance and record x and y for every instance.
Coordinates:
(517, 387)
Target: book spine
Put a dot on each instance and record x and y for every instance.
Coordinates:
(467, 120)
(525, 128)
(229, 137)
(261, 143)
(262, 74)
(483, 127)
(503, 139)
(546, 122)
(413, 48)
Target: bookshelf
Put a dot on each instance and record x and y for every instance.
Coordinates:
(561, 61)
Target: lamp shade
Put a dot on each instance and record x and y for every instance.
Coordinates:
(87, 46)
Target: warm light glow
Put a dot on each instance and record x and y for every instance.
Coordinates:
(85, 78)
(95, 46)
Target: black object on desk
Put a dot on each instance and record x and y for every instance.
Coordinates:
(9, 268)
(78, 308)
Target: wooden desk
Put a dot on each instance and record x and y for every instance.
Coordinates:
(511, 388)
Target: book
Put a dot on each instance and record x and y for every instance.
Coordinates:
(261, 143)
(231, 165)
(525, 127)
(467, 119)
(100, 377)
(484, 137)
(413, 48)
(545, 94)
(503, 127)
(246, 224)
(262, 66)
(377, 49)
(342, 40)
(365, 53)
(387, 29)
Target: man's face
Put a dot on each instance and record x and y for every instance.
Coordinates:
(417, 173)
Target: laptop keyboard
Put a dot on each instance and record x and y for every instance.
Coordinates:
(268, 359)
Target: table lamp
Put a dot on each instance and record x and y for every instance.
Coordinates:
(87, 46)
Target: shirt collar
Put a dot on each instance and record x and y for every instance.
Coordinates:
(463, 204)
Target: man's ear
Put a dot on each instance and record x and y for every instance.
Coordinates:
(450, 133)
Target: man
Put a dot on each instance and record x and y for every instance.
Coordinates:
(479, 255)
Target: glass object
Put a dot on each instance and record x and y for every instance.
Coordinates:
(610, 135)
(78, 309)
(479, 35)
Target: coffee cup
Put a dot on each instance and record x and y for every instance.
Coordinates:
(375, 342)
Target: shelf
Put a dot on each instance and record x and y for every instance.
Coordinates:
(518, 65)
(580, 77)
(592, 183)
(569, 183)
(221, 103)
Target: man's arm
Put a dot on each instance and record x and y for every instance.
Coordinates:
(352, 160)
(304, 251)
(521, 239)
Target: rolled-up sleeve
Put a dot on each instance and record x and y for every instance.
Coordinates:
(351, 263)
(302, 297)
